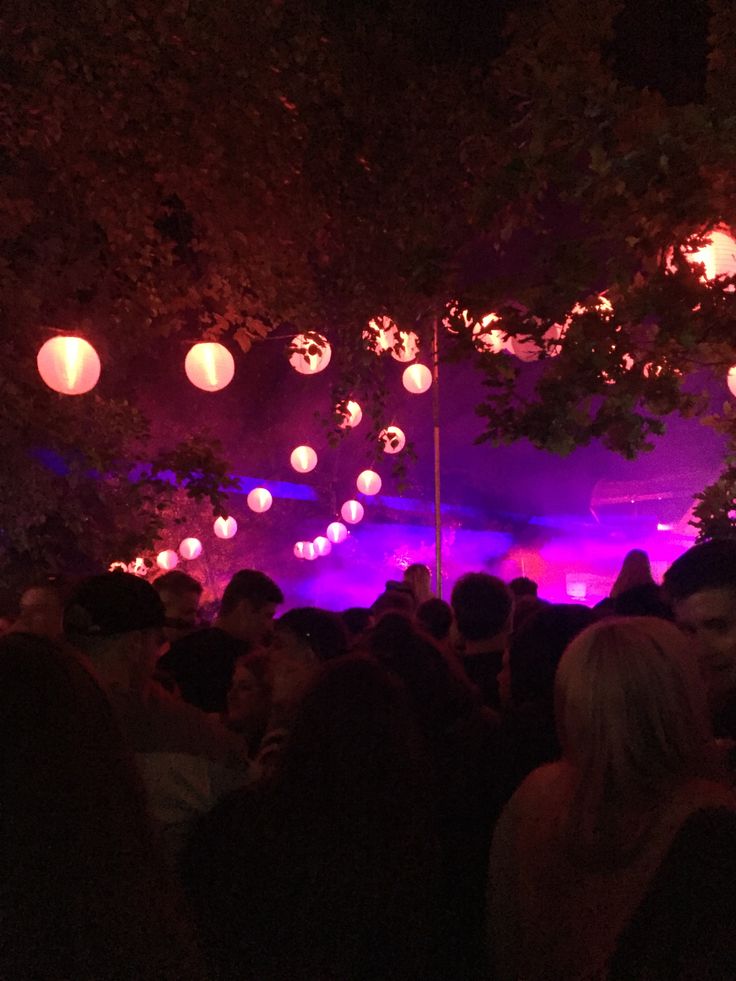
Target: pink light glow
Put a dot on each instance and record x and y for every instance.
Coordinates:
(260, 500)
(306, 362)
(393, 439)
(168, 559)
(322, 545)
(69, 365)
(337, 532)
(368, 482)
(209, 366)
(352, 512)
(303, 459)
(190, 548)
(354, 416)
(417, 379)
(225, 527)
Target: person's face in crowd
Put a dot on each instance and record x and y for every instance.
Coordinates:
(255, 623)
(182, 610)
(41, 613)
(709, 617)
(247, 701)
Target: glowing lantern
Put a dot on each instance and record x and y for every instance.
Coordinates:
(118, 567)
(368, 482)
(493, 341)
(393, 439)
(352, 512)
(259, 500)
(337, 532)
(138, 567)
(209, 366)
(322, 545)
(718, 255)
(225, 527)
(299, 549)
(69, 365)
(303, 459)
(731, 380)
(417, 378)
(190, 548)
(353, 417)
(310, 552)
(311, 353)
(168, 559)
(380, 335)
(407, 347)
(524, 348)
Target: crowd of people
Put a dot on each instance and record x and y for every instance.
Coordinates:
(491, 788)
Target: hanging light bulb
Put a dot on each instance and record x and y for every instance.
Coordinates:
(353, 417)
(393, 439)
(311, 353)
(259, 500)
(417, 378)
(190, 548)
(368, 482)
(69, 365)
(352, 512)
(225, 527)
(209, 366)
(303, 459)
(168, 559)
(322, 545)
(337, 532)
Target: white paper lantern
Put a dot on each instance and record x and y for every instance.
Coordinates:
(337, 532)
(417, 378)
(69, 365)
(168, 559)
(310, 552)
(718, 255)
(209, 366)
(190, 548)
(352, 512)
(368, 482)
(322, 545)
(380, 335)
(488, 338)
(731, 380)
(311, 353)
(303, 459)
(225, 527)
(406, 347)
(393, 439)
(259, 500)
(299, 549)
(353, 417)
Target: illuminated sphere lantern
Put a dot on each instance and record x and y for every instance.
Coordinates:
(380, 335)
(351, 416)
(524, 348)
(69, 365)
(337, 532)
(118, 567)
(190, 548)
(417, 379)
(225, 527)
(209, 366)
(718, 255)
(322, 545)
(310, 552)
(407, 347)
(259, 500)
(303, 459)
(299, 549)
(310, 353)
(486, 338)
(167, 560)
(393, 439)
(352, 512)
(368, 482)
(731, 380)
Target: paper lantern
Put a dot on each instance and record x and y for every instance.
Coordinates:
(310, 552)
(303, 459)
(322, 545)
(368, 482)
(352, 512)
(406, 347)
(209, 366)
(260, 499)
(524, 348)
(488, 339)
(380, 335)
(731, 380)
(393, 439)
(417, 378)
(353, 417)
(138, 567)
(69, 365)
(337, 532)
(299, 549)
(311, 353)
(190, 548)
(225, 527)
(118, 567)
(718, 255)
(168, 559)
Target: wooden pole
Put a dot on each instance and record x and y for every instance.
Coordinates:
(436, 428)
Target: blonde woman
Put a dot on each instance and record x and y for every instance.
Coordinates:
(603, 864)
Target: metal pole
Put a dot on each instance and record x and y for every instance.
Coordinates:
(436, 427)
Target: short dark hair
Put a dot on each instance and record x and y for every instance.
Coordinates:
(435, 616)
(252, 585)
(322, 630)
(710, 565)
(523, 586)
(482, 605)
(178, 583)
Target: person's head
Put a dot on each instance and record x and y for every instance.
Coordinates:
(357, 620)
(701, 586)
(394, 599)
(482, 607)
(249, 698)
(308, 628)
(635, 571)
(631, 710)
(41, 608)
(523, 586)
(435, 617)
(418, 577)
(248, 606)
(180, 593)
(117, 620)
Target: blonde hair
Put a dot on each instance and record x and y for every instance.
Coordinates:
(632, 720)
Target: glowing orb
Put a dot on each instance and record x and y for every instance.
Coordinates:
(337, 532)
(393, 439)
(352, 512)
(209, 366)
(368, 482)
(190, 548)
(259, 500)
(303, 459)
(311, 353)
(69, 365)
(168, 559)
(225, 527)
(417, 378)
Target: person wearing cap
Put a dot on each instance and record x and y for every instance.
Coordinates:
(187, 759)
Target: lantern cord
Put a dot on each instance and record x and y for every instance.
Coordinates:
(436, 432)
